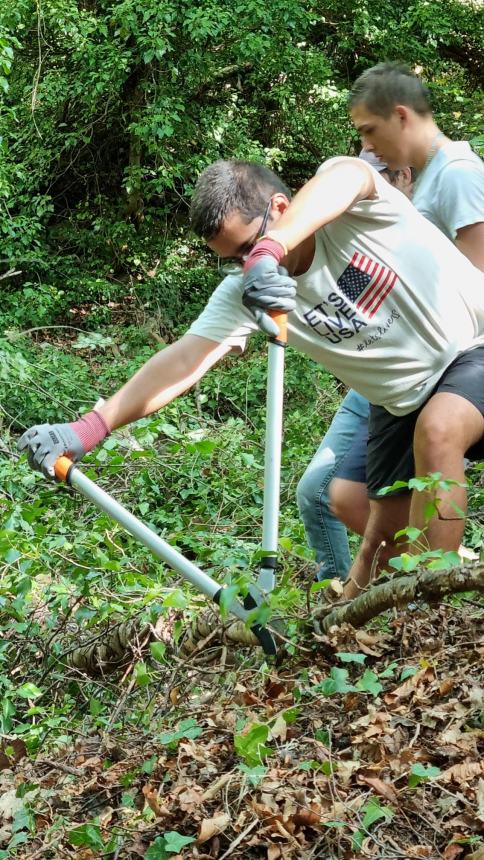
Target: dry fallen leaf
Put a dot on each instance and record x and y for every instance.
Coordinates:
(211, 826)
(446, 686)
(424, 676)
(463, 772)
(452, 851)
(274, 852)
(153, 801)
(476, 855)
(480, 800)
(384, 789)
(279, 729)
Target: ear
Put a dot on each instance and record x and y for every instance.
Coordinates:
(403, 113)
(279, 204)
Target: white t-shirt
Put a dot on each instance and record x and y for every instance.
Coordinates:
(386, 305)
(450, 191)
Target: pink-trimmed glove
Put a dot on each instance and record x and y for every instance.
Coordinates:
(45, 443)
(267, 286)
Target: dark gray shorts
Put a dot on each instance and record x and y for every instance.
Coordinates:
(390, 438)
(353, 466)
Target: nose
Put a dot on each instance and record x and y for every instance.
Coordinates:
(366, 145)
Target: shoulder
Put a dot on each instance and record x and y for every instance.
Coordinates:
(344, 162)
(457, 159)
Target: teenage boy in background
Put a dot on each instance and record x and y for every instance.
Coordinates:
(390, 108)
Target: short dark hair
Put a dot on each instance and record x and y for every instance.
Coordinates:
(388, 84)
(228, 186)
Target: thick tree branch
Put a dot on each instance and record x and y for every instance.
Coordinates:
(428, 585)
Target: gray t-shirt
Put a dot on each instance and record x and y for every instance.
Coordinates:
(386, 305)
(450, 191)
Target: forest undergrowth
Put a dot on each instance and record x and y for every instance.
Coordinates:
(355, 743)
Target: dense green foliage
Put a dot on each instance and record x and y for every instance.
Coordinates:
(110, 110)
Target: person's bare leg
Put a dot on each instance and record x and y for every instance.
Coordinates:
(446, 428)
(387, 516)
(350, 504)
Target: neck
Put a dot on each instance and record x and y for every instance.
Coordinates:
(430, 140)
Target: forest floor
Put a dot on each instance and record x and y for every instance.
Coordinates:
(363, 743)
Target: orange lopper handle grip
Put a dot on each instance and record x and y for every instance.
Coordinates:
(61, 468)
(280, 318)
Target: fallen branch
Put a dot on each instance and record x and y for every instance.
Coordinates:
(114, 647)
(428, 585)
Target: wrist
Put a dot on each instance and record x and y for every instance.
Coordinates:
(91, 429)
(266, 247)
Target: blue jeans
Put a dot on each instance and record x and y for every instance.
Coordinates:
(325, 534)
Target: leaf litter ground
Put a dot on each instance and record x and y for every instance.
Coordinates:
(366, 744)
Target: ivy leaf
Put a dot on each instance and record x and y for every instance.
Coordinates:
(348, 657)
(174, 841)
(372, 811)
(369, 683)
(420, 773)
(251, 745)
(88, 835)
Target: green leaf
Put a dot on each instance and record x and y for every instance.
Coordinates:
(28, 691)
(369, 683)
(157, 850)
(325, 767)
(372, 811)
(349, 657)
(336, 683)
(253, 774)
(174, 841)
(286, 543)
(95, 707)
(420, 773)
(227, 597)
(142, 674)
(12, 555)
(389, 671)
(397, 485)
(357, 841)
(251, 745)
(205, 447)
(410, 532)
(158, 651)
(176, 599)
(186, 729)
(88, 835)
(420, 484)
(324, 736)
(407, 672)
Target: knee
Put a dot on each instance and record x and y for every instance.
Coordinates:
(433, 436)
(312, 488)
(338, 499)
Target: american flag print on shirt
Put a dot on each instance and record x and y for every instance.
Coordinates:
(366, 282)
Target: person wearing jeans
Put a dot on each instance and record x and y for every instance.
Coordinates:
(325, 533)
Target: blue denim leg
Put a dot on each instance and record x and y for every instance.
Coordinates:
(325, 534)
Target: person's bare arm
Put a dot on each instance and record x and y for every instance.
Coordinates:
(326, 196)
(470, 241)
(166, 375)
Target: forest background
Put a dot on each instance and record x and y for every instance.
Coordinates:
(109, 111)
